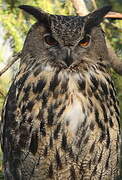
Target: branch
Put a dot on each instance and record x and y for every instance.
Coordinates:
(80, 7)
(94, 4)
(12, 61)
(82, 10)
(114, 15)
(115, 61)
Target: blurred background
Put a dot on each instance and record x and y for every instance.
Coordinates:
(14, 25)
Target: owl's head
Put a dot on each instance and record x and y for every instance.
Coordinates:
(64, 40)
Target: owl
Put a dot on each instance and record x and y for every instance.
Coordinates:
(60, 119)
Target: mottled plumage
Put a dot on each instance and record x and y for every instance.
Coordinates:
(61, 116)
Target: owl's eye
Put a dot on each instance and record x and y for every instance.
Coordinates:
(85, 41)
(50, 40)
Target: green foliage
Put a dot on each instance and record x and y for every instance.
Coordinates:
(116, 4)
(114, 34)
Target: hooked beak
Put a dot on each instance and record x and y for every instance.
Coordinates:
(68, 56)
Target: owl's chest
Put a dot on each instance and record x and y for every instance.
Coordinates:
(66, 103)
(62, 98)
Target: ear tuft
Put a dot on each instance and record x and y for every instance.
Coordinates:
(96, 17)
(36, 12)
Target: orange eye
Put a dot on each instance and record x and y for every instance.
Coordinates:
(50, 40)
(85, 41)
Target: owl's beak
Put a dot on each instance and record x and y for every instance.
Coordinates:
(68, 56)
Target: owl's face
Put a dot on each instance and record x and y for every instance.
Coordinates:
(66, 40)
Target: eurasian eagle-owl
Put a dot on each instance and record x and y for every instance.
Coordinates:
(61, 116)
